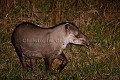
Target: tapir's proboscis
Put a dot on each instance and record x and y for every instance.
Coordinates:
(34, 42)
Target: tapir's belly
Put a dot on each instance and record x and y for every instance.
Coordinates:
(31, 53)
(37, 50)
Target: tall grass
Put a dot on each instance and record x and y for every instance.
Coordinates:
(103, 28)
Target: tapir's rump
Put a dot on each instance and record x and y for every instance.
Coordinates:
(36, 42)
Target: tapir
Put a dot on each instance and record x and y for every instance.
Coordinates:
(35, 42)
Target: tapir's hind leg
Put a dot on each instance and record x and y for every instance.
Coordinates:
(19, 53)
(64, 60)
(48, 64)
(32, 61)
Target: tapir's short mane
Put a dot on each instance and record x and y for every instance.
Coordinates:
(64, 23)
(29, 23)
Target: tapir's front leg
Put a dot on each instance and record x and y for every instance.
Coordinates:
(64, 60)
(48, 64)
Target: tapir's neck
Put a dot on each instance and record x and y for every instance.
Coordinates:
(68, 39)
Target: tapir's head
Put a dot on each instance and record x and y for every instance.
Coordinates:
(75, 36)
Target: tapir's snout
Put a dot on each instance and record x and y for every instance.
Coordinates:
(85, 42)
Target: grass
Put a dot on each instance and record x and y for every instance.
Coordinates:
(98, 63)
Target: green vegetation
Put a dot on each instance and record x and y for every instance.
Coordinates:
(99, 20)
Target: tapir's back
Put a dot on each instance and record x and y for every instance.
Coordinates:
(27, 28)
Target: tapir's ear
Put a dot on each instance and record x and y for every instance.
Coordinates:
(67, 27)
